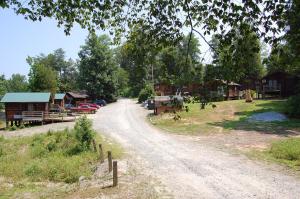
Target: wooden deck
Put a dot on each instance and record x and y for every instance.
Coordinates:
(29, 116)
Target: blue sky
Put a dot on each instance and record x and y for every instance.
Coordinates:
(20, 38)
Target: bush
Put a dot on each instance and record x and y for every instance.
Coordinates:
(146, 93)
(84, 132)
(287, 149)
(13, 128)
(293, 108)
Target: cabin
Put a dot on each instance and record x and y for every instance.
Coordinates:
(76, 98)
(163, 89)
(278, 84)
(217, 89)
(164, 104)
(21, 107)
(59, 99)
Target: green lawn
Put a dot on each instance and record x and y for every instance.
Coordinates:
(226, 116)
(28, 164)
(285, 151)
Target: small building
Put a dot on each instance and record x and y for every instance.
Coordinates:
(278, 84)
(76, 98)
(163, 89)
(59, 99)
(218, 89)
(25, 106)
(167, 104)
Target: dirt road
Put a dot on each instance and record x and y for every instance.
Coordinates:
(190, 169)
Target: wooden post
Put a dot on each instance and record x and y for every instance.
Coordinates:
(94, 145)
(115, 173)
(109, 161)
(101, 153)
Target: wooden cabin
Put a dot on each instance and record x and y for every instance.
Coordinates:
(217, 89)
(25, 106)
(163, 89)
(167, 104)
(76, 98)
(278, 84)
(59, 99)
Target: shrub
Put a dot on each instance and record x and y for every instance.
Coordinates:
(293, 108)
(84, 132)
(146, 93)
(22, 126)
(287, 149)
(13, 128)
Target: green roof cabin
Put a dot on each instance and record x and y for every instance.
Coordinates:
(26, 106)
(59, 99)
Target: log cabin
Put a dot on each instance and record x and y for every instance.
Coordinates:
(76, 98)
(217, 88)
(59, 99)
(164, 104)
(278, 84)
(21, 107)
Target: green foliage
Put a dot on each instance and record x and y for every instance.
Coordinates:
(164, 21)
(286, 149)
(41, 78)
(13, 127)
(3, 89)
(146, 93)
(47, 157)
(84, 132)
(65, 69)
(17, 83)
(98, 73)
(292, 106)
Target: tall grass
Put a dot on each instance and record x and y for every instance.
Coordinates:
(56, 156)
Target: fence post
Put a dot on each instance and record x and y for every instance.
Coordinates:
(94, 145)
(101, 153)
(109, 161)
(115, 173)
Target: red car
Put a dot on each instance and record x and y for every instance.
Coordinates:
(84, 109)
(90, 105)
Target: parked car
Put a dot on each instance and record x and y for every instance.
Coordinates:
(84, 109)
(101, 102)
(90, 104)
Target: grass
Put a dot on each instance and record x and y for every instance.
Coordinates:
(227, 115)
(53, 157)
(285, 151)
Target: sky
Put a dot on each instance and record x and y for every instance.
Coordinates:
(20, 38)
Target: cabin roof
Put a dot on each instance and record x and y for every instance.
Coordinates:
(26, 97)
(78, 95)
(59, 96)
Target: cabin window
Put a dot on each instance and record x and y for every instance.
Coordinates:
(273, 83)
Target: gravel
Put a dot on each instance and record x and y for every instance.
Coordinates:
(190, 169)
(268, 117)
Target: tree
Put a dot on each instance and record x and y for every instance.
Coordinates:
(164, 19)
(3, 89)
(66, 69)
(41, 78)
(17, 83)
(180, 64)
(97, 68)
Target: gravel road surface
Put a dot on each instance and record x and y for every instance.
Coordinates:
(191, 169)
